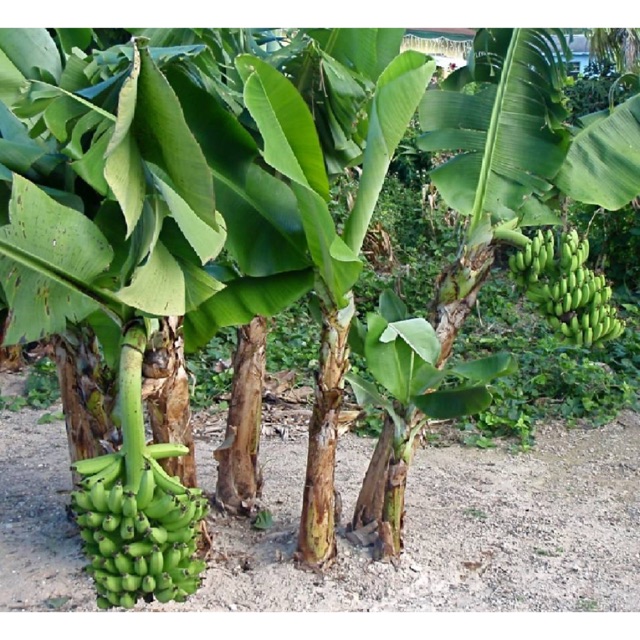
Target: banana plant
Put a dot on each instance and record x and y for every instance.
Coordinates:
(291, 146)
(502, 117)
(401, 354)
(157, 210)
(52, 259)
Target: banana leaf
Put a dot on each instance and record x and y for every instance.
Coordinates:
(602, 164)
(506, 126)
(49, 256)
(398, 92)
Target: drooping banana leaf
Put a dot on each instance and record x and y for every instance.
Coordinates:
(241, 300)
(265, 232)
(603, 163)
(49, 256)
(292, 148)
(505, 126)
(26, 54)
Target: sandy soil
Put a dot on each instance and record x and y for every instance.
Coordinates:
(555, 529)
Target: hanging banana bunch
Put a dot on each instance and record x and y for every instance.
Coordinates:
(139, 540)
(571, 296)
(139, 525)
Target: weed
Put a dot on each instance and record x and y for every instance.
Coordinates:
(475, 513)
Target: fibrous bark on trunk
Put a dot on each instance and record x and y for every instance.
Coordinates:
(316, 540)
(87, 390)
(166, 391)
(457, 289)
(368, 507)
(239, 476)
(11, 358)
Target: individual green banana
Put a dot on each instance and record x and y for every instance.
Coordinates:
(111, 522)
(109, 474)
(148, 584)
(565, 256)
(116, 496)
(189, 585)
(113, 583)
(165, 481)
(576, 298)
(163, 581)
(588, 337)
(127, 600)
(138, 548)
(85, 533)
(158, 534)
(144, 495)
(554, 322)
(162, 450)
(172, 557)
(597, 331)
(124, 564)
(165, 595)
(564, 287)
(127, 528)
(81, 500)
(108, 547)
(93, 466)
(156, 561)
(129, 504)
(131, 582)
(161, 505)
(142, 523)
(99, 497)
(528, 255)
(520, 261)
(181, 535)
(94, 519)
(141, 566)
(567, 302)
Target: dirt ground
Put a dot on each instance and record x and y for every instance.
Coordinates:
(554, 530)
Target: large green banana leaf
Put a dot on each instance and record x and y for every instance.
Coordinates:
(243, 299)
(49, 256)
(292, 148)
(364, 50)
(603, 163)
(265, 232)
(26, 54)
(398, 91)
(506, 126)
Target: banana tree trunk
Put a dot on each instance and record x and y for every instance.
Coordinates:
(370, 501)
(87, 390)
(317, 539)
(457, 289)
(11, 356)
(381, 497)
(165, 390)
(239, 475)
(391, 529)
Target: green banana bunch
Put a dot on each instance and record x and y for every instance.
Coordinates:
(142, 540)
(571, 296)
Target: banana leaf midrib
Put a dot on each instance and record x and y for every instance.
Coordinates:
(102, 297)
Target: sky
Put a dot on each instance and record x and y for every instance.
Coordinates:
(327, 13)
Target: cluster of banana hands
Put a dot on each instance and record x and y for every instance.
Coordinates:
(572, 297)
(141, 541)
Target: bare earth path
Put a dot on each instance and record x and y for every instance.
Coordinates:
(556, 529)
